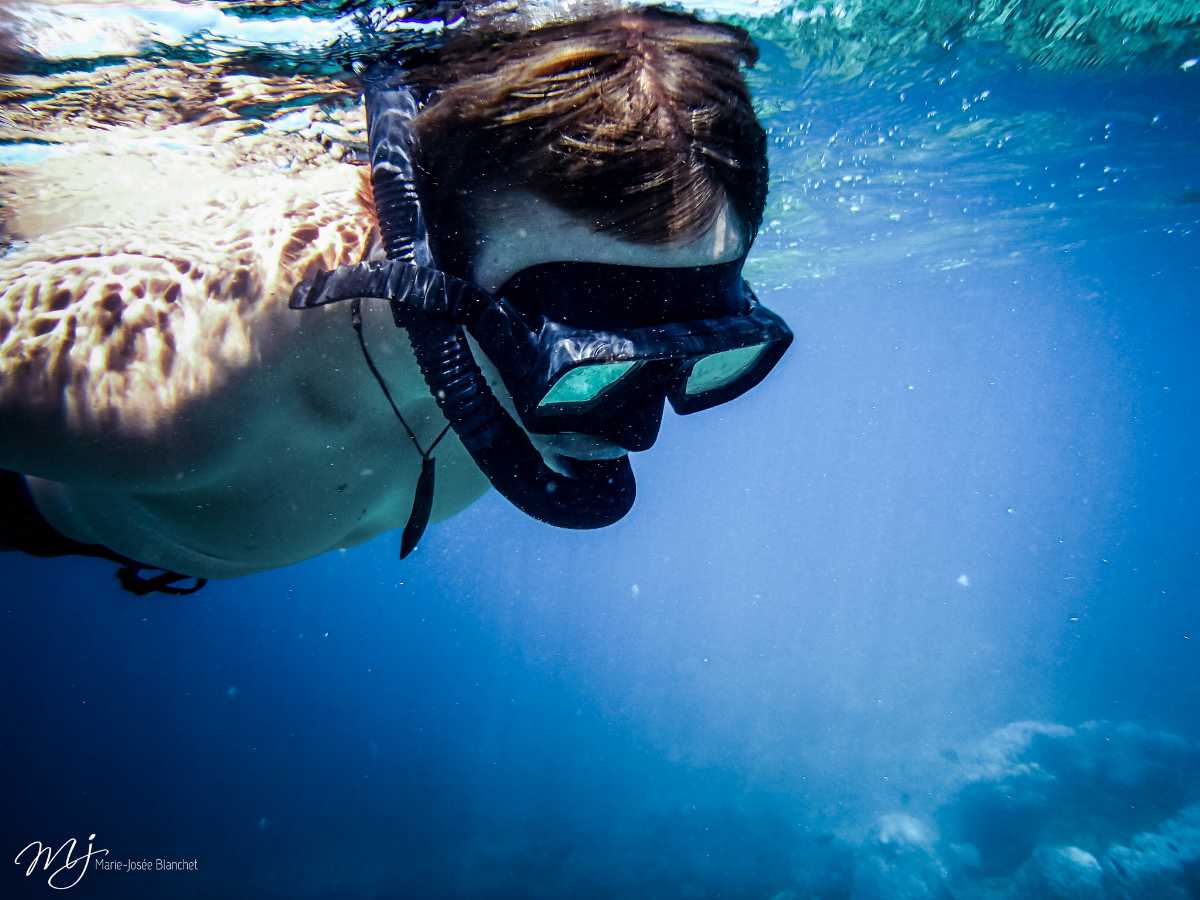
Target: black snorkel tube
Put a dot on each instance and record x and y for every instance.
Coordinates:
(434, 308)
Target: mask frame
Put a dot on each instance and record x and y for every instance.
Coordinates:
(534, 356)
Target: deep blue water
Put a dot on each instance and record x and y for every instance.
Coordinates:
(917, 618)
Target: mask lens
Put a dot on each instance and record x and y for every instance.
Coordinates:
(719, 369)
(585, 383)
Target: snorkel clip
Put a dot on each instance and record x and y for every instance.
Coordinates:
(414, 292)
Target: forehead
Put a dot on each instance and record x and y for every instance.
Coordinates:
(517, 229)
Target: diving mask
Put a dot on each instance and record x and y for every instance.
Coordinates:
(591, 347)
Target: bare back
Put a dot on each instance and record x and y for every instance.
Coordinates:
(153, 380)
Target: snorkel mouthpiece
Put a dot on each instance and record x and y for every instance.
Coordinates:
(601, 491)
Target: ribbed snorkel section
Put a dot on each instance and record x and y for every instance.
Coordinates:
(391, 106)
(445, 359)
(604, 490)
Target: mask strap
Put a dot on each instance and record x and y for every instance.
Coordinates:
(418, 519)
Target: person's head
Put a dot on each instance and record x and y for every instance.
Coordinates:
(569, 211)
(636, 125)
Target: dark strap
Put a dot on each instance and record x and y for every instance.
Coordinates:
(24, 529)
(164, 583)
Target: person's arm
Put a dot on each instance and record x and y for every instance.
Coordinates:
(141, 356)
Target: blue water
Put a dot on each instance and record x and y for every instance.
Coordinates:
(917, 618)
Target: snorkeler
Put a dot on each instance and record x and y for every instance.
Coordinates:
(559, 220)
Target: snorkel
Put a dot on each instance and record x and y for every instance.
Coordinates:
(581, 347)
(435, 308)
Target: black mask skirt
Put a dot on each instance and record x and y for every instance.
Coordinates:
(581, 347)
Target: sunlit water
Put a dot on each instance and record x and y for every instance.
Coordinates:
(917, 618)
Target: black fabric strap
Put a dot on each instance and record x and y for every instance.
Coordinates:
(165, 582)
(24, 529)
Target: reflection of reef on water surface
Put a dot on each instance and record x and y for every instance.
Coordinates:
(852, 37)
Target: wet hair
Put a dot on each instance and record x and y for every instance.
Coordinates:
(638, 120)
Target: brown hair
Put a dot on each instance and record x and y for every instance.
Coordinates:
(639, 120)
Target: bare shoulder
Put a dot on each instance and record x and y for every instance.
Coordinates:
(141, 286)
